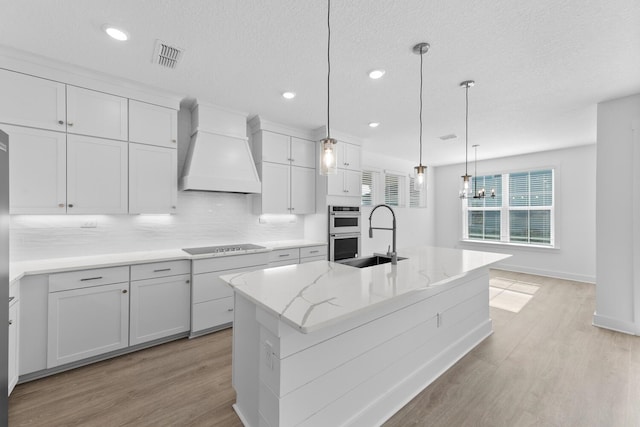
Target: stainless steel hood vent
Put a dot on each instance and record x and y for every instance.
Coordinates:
(219, 158)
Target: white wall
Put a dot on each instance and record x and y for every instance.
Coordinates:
(618, 213)
(575, 180)
(415, 226)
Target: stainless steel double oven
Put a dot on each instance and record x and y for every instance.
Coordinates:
(344, 232)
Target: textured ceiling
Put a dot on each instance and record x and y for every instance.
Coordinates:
(540, 67)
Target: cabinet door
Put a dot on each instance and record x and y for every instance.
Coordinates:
(96, 114)
(352, 183)
(153, 179)
(275, 148)
(152, 124)
(303, 190)
(87, 322)
(351, 157)
(303, 153)
(275, 188)
(38, 171)
(96, 175)
(159, 308)
(335, 184)
(31, 101)
(14, 345)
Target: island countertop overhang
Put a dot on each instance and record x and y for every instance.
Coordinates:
(315, 295)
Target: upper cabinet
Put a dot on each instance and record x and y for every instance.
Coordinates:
(70, 149)
(152, 124)
(96, 114)
(31, 101)
(349, 156)
(287, 168)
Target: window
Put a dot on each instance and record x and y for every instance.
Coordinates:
(367, 188)
(393, 189)
(521, 212)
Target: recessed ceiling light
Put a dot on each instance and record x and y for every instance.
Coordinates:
(289, 95)
(376, 74)
(374, 124)
(115, 33)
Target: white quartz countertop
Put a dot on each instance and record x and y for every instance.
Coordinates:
(314, 295)
(55, 265)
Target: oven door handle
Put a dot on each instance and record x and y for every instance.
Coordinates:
(345, 235)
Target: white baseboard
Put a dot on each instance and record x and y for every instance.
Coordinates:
(547, 273)
(615, 324)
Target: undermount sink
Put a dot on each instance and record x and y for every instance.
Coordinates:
(368, 261)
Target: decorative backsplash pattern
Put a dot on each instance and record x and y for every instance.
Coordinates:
(202, 219)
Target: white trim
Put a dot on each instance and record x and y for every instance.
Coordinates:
(258, 123)
(615, 324)
(509, 244)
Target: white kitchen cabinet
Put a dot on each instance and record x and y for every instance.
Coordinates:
(152, 124)
(87, 322)
(349, 156)
(14, 335)
(38, 170)
(153, 179)
(280, 257)
(303, 195)
(94, 113)
(313, 253)
(32, 101)
(344, 183)
(212, 299)
(160, 307)
(97, 175)
(278, 148)
(276, 188)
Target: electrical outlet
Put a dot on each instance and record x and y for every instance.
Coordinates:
(90, 224)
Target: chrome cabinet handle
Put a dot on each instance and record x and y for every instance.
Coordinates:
(161, 269)
(90, 278)
(70, 205)
(284, 255)
(313, 252)
(69, 124)
(60, 122)
(124, 291)
(229, 309)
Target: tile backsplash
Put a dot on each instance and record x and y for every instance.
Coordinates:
(202, 219)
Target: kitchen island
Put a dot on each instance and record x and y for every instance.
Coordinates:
(326, 344)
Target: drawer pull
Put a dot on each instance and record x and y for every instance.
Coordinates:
(90, 278)
(124, 291)
(284, 255)
(229, 309)
(313, 252)
(161, 269)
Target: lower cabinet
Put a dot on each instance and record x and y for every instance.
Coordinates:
(87, 322)
(159, 308)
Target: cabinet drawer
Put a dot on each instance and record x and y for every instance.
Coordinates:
(229, 262)
(209, 286)
(313, 251)
(211, 314)
(313, 258)
(160, 269)
(282, 263)
(284, 255)
(87, 278)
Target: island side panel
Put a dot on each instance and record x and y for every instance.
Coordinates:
(245, 360)
(365, 374)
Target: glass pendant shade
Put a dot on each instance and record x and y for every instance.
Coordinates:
(419, 177)
(465, 191)
(328, 157)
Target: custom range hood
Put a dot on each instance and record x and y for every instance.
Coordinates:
(219, 158)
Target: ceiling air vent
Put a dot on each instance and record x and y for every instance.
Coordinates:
(167, 56)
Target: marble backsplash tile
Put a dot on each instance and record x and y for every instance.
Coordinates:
(202, 219)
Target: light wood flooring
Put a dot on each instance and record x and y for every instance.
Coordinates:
(543, 366)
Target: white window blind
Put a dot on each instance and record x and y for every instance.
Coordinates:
(392, 189)
(367, 188)
(521, 212)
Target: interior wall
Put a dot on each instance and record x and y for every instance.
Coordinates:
(618, 213)
(574, 255)
(415, 226)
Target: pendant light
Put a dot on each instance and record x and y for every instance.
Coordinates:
(465, 191)
(479, 194)
(419, 171)
(328, 154)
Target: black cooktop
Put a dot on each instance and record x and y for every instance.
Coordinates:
(222, 249)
